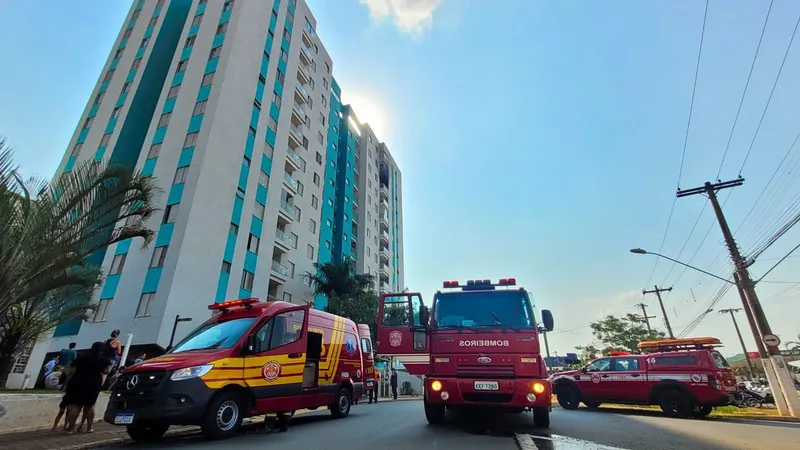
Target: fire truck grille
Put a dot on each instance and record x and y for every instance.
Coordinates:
(485, 371)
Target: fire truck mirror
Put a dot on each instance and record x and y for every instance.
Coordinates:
(547, 319)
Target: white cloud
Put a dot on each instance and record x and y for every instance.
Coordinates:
(414, 17)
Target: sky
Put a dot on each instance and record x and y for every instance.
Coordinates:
(537, 139)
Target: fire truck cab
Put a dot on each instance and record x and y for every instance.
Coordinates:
(477, 346)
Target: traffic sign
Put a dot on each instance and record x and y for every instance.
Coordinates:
(772, 340)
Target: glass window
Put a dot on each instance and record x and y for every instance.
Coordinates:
(600, 365)
(283, 329)
(483, 309)
(626, 364)
(720, 361)
(395, 311)
(213, 335)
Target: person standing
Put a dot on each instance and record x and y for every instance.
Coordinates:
(83, 386)
(112, 350)
(374, 392)
(66, 357)
(393, 382)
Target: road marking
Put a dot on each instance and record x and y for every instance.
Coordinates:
(558, 442)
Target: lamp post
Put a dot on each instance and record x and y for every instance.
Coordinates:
(178, 319)
(640, 251)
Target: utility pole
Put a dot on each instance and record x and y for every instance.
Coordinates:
(646, 317)
(774, 365)
(732, 312)
(658, 292)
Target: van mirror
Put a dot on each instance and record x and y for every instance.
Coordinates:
(424, 315)
(547, 320)
(250, 345)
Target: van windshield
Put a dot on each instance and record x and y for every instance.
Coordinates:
(213, 335)
(483, 309)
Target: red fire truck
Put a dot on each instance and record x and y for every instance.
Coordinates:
(477, 346)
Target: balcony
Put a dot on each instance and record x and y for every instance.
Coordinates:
(384, 193)
(285, 240)
(308, 37)
(289, 210)
(299, 116)
(305, 56)
(301, 94)
(385, 239)
(384, 255)
(384, 288)
(302, 75)
(279, 270)
(291, 183)
(384, 221)
(384, 272)
(295, 136)
(296, 160)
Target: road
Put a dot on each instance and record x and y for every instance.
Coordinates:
(401, 425)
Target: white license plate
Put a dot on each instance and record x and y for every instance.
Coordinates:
(123, 419)
(487, 386)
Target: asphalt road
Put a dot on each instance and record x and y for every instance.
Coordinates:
(402, 425)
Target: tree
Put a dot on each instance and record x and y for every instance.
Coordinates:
(618, 333)
(51, 233)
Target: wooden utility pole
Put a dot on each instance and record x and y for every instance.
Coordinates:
(732, 312)
(774, 365)
(658, 292)
(646, 317)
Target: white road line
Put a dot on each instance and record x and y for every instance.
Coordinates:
(558, 442)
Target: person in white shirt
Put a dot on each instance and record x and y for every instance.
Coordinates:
(52, 381)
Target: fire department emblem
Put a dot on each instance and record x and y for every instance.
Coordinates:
(350, 346)
(358, 374)
(271, 370)
(595, 379)
(696, 378)
(395, 338)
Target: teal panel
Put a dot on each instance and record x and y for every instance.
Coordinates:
(186, 53)
(114, 64)
(157, 11)
(259, 90)
(243, 177)
(149, 167)
(70, 163)
(165, 234)
(255, 226)
(226, 16)
(194, 123)
(110, 287)
(139, 5)
(93, 110)
(248, 146)
(131, 24)
(140, 52)
(211, 66)
(270, 138)
(288, 24)
(151, 280)
(203, 93)
(98, 155)
(193, 30)
(159, 135)
(103, 86)
(201, 8)
(70, 328)
(266, 164)
(123, 247)
(285, 45)
(270, 40)
(254, 117)
(178, 78)
(264, 66)
(148, 32)
(222, 286)
(244, 293)
(250, 260)
(123, 43)
(131, 76)
(186, 157)
(175, 194)
(272, 21)
(282, 66)
(121, 99)
(278, 87)
(238, 204)
(218, 40)
(82, 136)
(274, 111)
(261, 194)
(291, 9)
(169, 105)
(111, 124)
(230, 245)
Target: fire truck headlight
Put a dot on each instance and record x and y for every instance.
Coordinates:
(537, 387)
(445, 395)
(436, 385)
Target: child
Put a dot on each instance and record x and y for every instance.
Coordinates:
(62, 408)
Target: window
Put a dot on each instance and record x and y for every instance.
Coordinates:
(674, 361)
(190, 140)
(316, 179)
(144, 43)
(307, 281)
(199, 108)
(127, 33)
(322, 118)
(189, 42)
(109, 75)
(134, 16)
(314, 202)
(164, 120)
(320, 138)
(329, 223)
(118, 53)
(117, 264)
(368, 252)
(258, 210)
(269, 150)
(153, 22)
(170, 214)
(330, 202)
(102, 310)
(246, 159)
(369, 199)
(136, 63)
(173, 91)
(284, 56)
(99, 98)
(319, 158)
(600, 365)
(226, 267)
(154, 150)
(313, 65)
(276, 98)
(327, 68)
(626, 364)
(280, 76)
(312, 226)
(215, 52)
(159, 255)
(263, 178)
(283, 329)
(88, 122)
(273, 125)
(330, 181)
(126, 86)
(251, 132)
(247, 280)
(115, 112)
(287, 35)
(76, 150)
(234, 229)
(324, 101)
(180, 175)
(290, 266)
(325, 82)
(207, 79)
(105, 139)
(227, 6)
(223, 27)
(252, 243)
(311, 83)
(143, 310)
(197, 19)
(395, 311)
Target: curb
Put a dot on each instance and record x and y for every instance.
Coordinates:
(762, 418)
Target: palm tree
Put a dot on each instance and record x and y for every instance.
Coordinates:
(339, 279)
(48, 232)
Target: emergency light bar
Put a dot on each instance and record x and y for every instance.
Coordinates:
(246, 302)
(618, 353)
(475, 284)
(660, 345)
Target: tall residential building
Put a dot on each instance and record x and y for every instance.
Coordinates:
(231, 106)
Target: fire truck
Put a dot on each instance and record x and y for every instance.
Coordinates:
(477, 347)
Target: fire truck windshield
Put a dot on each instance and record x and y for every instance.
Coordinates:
(485, 309)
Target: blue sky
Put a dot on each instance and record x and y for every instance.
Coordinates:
(540, 140)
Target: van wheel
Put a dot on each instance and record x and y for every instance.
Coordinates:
(675, 404)
(703, 411)
(146, 432)
(541, 417)
(224, 416)
(341, 406)
(434, 413)
(568, 398)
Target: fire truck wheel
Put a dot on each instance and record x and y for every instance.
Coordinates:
(146, 432)
(541, 417)
(703, 411)
(675, 404)
(434, 413)
(223, 417)
(341, 406)
(568, 397)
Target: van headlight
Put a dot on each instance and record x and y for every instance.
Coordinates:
(191, 372)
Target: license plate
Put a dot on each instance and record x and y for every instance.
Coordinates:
(487, 386)
(123, 419)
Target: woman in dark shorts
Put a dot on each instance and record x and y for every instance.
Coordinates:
(83, 386)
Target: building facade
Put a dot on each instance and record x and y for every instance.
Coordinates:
(232, 107)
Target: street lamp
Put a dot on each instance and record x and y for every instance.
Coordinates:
(640, 251)
(178, 319)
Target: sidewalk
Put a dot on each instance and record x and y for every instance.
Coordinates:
(104, 434)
